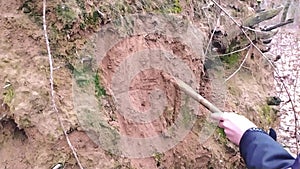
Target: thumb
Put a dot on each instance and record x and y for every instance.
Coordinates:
(217, 116)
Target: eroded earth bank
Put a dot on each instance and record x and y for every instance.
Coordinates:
(111, 63)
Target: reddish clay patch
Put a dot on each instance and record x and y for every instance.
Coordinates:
(149, 80)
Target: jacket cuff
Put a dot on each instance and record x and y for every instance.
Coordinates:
(246, 140)
(297, 163)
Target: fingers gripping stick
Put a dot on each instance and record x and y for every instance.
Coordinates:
(234, 125)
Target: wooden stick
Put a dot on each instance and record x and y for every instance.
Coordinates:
(191, 92)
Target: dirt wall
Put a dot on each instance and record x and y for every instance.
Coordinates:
(31, 136)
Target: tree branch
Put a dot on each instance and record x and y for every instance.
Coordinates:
(230, 53)
(261, 16)
(212, 35)
(278, 25)
(224, 41)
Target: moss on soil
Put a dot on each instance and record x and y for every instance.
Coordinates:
(268, 115)
(221, 135)
(8, 93)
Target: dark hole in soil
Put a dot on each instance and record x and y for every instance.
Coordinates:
(10, 125)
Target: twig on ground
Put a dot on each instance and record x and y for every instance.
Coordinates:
(251, 29)
(210, 39)
(203, 9)
(226, 54)
(1, 118)
(52, 87)
(101, 13)
(212, 35)
(274, 68)
(241, 65)
(58, 166)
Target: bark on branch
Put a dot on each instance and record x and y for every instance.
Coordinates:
(261, 16)
(233, 37)
(278, 25)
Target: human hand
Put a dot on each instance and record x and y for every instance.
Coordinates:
(234, 125)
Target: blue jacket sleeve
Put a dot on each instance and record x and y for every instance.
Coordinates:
(296, 165)
(260, 151)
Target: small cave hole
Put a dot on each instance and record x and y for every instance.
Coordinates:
(16, 132)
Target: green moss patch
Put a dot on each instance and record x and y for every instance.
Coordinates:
(231, 60)
(268, 115)
(8, 94)
(221, 135)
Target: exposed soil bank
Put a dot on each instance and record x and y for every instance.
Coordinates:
(30, 135)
